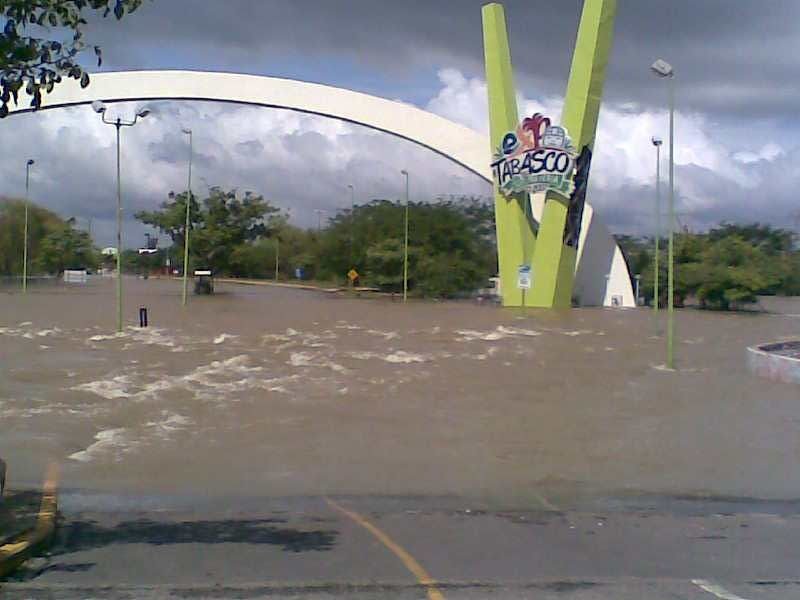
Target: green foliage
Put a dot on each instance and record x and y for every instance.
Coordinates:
(12, 223)
(66, 248)
(53, 244)
(451, 248)
(40, 64)
(728, 273)
(218, 226)
(724, 268)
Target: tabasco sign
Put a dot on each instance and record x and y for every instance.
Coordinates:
(537, 157)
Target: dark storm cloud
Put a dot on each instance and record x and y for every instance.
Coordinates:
(732, 56)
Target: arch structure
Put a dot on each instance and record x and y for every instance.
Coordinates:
(602, 277)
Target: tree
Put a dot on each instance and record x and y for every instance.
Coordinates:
(451, 246)
(730, 273)
(40, 64)
(223, 222)
(41, 222)
(66, 248)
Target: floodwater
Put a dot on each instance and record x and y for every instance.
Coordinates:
(269, 391)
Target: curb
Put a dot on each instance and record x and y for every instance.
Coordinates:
(22, 546)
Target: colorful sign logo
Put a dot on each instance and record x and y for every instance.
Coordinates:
(537, 157)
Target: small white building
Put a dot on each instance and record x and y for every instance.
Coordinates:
(76, 276)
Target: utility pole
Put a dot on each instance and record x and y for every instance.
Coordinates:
(405, 244)
(28, 166)
(186, 227)
(100, 109)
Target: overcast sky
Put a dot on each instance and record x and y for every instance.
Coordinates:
(738, 74)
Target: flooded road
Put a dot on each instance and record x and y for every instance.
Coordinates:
(267, 391)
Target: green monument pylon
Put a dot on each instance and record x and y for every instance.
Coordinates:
(552, 252)
(515, 237)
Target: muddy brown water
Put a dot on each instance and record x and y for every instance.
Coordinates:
(276, 392)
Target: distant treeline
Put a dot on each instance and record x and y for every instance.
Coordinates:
(724, 268)
(451, 243)
(54, 244)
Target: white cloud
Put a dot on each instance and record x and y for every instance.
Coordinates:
(304, 162)
(713, 180)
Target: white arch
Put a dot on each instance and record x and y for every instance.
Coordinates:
(468, 148)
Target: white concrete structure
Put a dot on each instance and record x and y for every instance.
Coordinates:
(601, 269)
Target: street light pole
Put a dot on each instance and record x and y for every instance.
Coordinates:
(118, 123)
(656, 297)
(664, 70)
(277, 254)
(28, 166)
(405, 244)
(352, 220)
(186, 227)
(671, 242)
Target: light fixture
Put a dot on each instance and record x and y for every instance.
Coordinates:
(657, 141)
(662, 68)
(99, 107)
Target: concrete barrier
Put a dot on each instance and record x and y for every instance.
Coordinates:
(779, 361)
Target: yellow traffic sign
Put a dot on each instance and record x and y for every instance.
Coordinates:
(352, 275)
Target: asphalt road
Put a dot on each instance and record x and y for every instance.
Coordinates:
(417, 547)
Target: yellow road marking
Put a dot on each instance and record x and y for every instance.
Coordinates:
(45, 518)
(410, 563)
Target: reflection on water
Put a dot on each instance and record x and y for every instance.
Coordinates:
(274, 391)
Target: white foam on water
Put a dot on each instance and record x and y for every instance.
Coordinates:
(46, 332)
(107, 440)
(102, 338)
(491, 351)
(25, 324)
(170, 423)
(576, 332)
(234, 365)
(110, 389)
(300, 359)
(396, 357)
(308, 359)
(149, 336)
(387, 335)
(518, 331)
(348, 326)
(499, 333)
(28, 336)
(43, 347)
(220, 339)
(468, 335)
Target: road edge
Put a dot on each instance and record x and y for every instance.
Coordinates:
(22, 546)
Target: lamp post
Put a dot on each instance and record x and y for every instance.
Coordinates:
(352, 220)
(319, 212)
(188, 132)
(28, 166)
(657, 143)
(405, 244)
(277, 255)
(664, 70)
(118, 123)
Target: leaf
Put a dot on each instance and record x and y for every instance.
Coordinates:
(119, 10)
(50, 85)
(52, 19)
(3, 110)
(84, 80)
